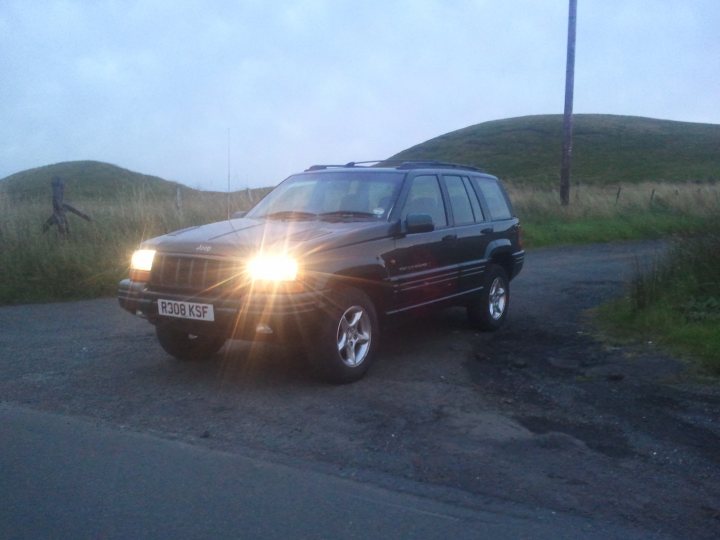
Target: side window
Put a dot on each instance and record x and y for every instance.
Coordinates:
(459, 200)
(494, 198)
(425, 197)
(477, 209)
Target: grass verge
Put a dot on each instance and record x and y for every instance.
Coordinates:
(677, 302)
(614, 212)
(644, 225)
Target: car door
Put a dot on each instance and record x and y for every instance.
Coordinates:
(473, 232)
(420, 266)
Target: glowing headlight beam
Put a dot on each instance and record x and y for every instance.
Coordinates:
(142, 259)
(272, 267)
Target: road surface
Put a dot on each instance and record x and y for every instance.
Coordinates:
(543, 418)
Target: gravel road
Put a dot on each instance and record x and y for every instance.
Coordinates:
(542, 413)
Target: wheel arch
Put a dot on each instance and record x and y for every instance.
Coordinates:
(505, 261)
(500, 252)
(370, 280)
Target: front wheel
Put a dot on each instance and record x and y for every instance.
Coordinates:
(348, 337)
(489, 309)
(185, 346)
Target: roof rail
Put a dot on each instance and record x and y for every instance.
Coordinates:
(321, 167)
(436, 164)
(347, 165)
(404, 165)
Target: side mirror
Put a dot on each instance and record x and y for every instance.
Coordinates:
(239, 214)
(419, 223)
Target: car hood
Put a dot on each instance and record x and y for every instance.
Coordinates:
(241, 237)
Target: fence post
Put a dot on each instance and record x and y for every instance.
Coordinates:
(58, 216)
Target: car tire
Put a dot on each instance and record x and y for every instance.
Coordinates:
(185, 346)
(348, 337)
(489, 309)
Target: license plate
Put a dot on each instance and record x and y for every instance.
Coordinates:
(186, 310)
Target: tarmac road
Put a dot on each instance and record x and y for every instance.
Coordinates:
(69, 478)
(540, 417)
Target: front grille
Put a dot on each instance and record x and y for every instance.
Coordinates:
(197, 274)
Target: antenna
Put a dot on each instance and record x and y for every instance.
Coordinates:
(228, 174)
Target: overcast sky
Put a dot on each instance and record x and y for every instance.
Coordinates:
(156, 85)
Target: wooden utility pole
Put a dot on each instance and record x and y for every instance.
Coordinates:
(567, 118)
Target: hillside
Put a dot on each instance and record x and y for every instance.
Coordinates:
(85, 179)
(607, 149)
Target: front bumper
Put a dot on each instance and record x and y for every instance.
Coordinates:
(245, 316)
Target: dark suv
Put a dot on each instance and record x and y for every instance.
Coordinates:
(327, 257)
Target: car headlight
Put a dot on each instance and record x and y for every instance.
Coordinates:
(272, 267)
(141, 263)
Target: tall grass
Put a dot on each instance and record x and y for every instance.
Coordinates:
(619, 212)
(37, 266)
(40, 267)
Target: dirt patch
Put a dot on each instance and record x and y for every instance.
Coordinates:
(608, 440)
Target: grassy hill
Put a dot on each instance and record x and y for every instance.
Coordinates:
(85, 180)
(607, 149)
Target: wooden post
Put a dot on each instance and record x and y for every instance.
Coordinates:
(567, 117)
(58, 216)
(617, 197)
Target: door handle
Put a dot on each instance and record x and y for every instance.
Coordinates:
(449, 237)
(487, 230)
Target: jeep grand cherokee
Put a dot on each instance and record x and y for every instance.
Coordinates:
(327, 257)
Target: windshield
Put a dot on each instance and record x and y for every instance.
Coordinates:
(340, 195)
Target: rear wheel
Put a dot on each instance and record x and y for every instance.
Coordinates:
(185, 346)
(348, 337)
(489, 309)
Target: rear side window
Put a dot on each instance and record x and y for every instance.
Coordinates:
(479, 216)
(459, 200)
(494, 197)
